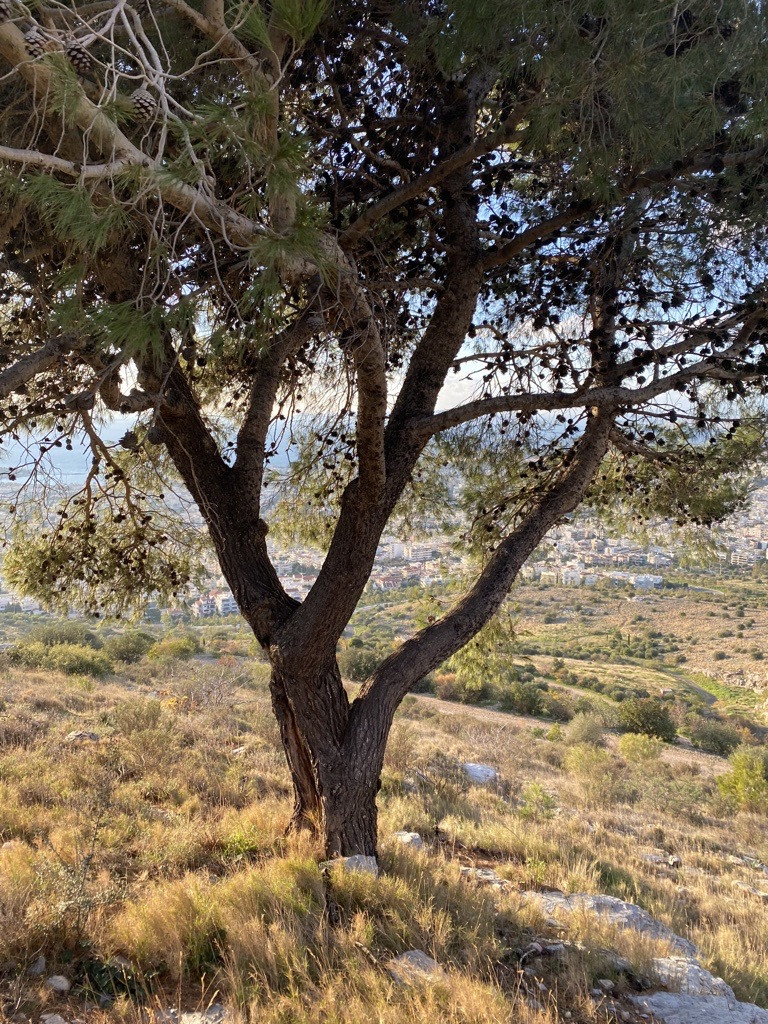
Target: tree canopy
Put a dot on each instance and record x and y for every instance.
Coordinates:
(521, 240)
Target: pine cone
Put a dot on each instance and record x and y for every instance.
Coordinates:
(6, 10)
(144, 105)
(35, 42)
(78, 56)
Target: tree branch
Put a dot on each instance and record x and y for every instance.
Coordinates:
(40, 361)
(429, 648)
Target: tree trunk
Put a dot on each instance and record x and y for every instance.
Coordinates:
(334, 784)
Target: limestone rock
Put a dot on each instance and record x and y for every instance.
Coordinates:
(676, 1008)
(612, 910)
(52, 1018)
(37, 968)
(82, 736)
(214, 1014)
(750, 890)
(480, 774)
(412, 839)
(358, 862)
(59, 984)
(685, 975)
(414, 967)
(484, 876)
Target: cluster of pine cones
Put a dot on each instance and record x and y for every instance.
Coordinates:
(38, 42)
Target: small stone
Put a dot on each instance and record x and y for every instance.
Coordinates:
(238, 751)
(606, 984)
(484, 876)
(674, 861)
(415, 967)
(52, 1018)
(481, 774)
(750, 890)
(6, 10)
(37, 969)
(82, 736)
(412, 839)
(358, 863)
(59, 984)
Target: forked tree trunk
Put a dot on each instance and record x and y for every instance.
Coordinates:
(334, 786)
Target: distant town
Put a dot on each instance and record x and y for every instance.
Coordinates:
(580, 553)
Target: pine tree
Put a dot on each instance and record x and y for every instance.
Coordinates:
(301, 221)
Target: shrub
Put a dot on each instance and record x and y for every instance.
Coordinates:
(746, 785)
(173, 646)
(595, 771)
(585, 728)
(557, 705)
(637, 748)
(73, 659)
(77, 660)
(523, 699)
(713, 737)
(357, 663)
(647, 716)
(536, 803)
(129, 647)
(49, 634)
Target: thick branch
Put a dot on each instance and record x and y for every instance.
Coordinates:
(29, 366)
(429, 648)
(418, 186)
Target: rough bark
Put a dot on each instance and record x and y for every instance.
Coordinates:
(334, 793)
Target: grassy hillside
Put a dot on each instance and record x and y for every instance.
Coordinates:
(141, 819)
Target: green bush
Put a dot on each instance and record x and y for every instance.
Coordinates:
(746, 785)
(72, 659)
(638, 748)
(77, 660)
(536, 804)
(595, 771)
(647, 716)
(174, 646)
(129, 647)
(585, 727)
(358, 662)
(712, 736)
(50, 634)
(522, 698)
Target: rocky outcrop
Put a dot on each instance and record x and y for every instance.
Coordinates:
(677, 1008)
(612, 910)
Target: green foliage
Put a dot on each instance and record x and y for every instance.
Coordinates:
(64, 632)
(72, 215)
(70, 658)
(128, 647)
(536, 804)
(173, 647)
(647, 716)
(714, 737)
(640, 748)
(102, 557)
(357, 663)
(746, 785)
(585, 727)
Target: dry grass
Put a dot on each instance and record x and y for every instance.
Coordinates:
(163, 844)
